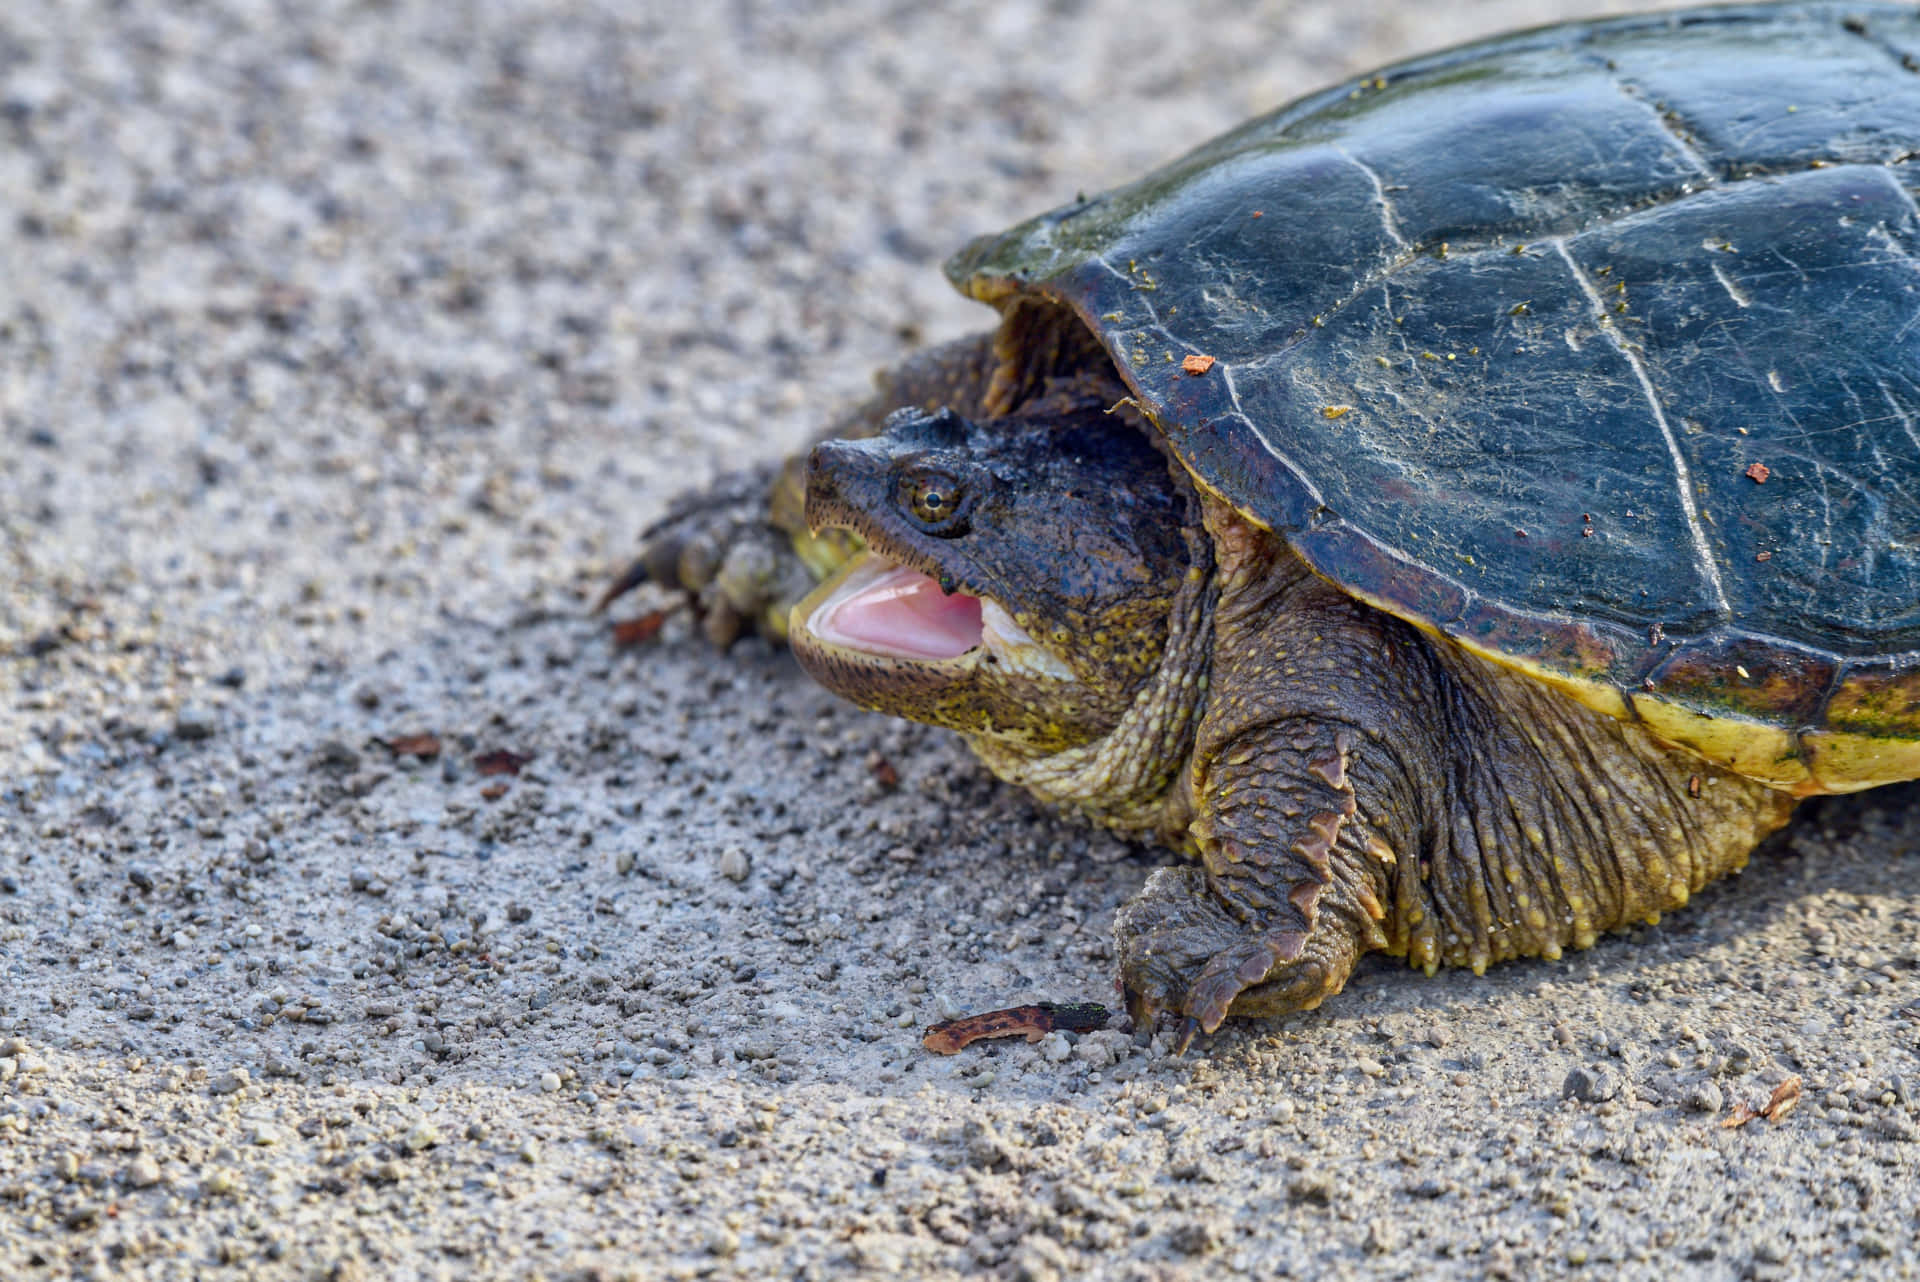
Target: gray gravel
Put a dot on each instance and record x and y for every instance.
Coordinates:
(344, 347)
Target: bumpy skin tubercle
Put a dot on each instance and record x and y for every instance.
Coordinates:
(1360, 786)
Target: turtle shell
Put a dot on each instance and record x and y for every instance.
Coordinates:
(1594, 348)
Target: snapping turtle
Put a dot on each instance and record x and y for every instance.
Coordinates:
(1464, 510)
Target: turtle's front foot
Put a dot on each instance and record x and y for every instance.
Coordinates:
(1183, 953)
(720, 546)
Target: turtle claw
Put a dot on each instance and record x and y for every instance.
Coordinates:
(630, 578)
(686, 546)
(1182, 953)
(1266, 962)
(1188, 1027)
(719, 548)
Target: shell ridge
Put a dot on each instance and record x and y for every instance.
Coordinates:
(1153, 320)
(1222, 369)
(1299, 474)
(1913, 208)
(1688, 149)
(1821, 713)
(1703, 551)
(1387, 219)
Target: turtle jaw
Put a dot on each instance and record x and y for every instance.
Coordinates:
(854, 659)
(882, 621)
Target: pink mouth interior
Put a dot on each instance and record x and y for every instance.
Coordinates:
(890, 609)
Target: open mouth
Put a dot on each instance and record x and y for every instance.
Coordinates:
(882, 608)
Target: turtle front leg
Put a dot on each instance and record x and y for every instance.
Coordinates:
(1290, 897)
(721, 547)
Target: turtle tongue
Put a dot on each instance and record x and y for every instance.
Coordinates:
(888, 609)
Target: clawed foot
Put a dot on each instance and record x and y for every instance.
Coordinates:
(719, 547)
(1183, 953)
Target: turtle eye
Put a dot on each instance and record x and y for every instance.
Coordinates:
(937, 500)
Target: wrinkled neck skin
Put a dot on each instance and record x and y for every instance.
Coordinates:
(1134, 778)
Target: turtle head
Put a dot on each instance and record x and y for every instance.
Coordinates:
(1018, 578)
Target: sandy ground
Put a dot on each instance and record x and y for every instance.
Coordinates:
(344, 347)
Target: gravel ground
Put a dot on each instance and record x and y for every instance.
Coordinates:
(344, 347)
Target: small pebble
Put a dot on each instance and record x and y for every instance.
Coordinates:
(193, 724)
(1196, 1237)
(734, 864)
(332, 754)
(1595, 1084)
(142, 1172)
(230, 1082)
(1705, 1097)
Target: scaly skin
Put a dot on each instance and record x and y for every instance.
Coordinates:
(1359, 786)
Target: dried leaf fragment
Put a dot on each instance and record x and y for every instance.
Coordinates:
(640, 629)
(1758, 473)
(424, 746)
(1197, 365)
(1030, 1022)
(1785, 1098)
(500, 762)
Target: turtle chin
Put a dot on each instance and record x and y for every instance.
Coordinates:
(894, 639)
